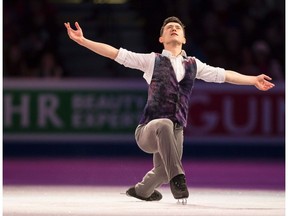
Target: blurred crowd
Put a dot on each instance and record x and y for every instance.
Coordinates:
(242, 35)
(30, 35)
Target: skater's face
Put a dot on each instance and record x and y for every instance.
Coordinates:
(172, 33)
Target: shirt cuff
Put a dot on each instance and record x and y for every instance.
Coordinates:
(221, 75)
(121, 56)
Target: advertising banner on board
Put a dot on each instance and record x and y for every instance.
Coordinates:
(103, 110)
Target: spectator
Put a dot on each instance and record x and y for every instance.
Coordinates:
(49, 67)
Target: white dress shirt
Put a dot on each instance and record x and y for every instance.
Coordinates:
(145, 63)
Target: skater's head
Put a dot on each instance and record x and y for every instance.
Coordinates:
(171, 19)
(172, 30)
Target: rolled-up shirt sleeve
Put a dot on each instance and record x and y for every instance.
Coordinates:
(209, 73)
(139, 61)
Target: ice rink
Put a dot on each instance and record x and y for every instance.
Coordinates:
(82, 187)
(104, 201)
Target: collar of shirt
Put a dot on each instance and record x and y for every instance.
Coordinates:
(176, 63)
(169, 54)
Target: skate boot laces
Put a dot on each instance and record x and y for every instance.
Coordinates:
(178, 187)
(179, 182)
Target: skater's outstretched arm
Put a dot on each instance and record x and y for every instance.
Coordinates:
(261, 82)
(99, 48)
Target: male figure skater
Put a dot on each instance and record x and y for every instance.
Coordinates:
(170, 76)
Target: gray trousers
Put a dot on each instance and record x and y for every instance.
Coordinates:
(165, 141)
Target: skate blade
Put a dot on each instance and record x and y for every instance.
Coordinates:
(182, 201)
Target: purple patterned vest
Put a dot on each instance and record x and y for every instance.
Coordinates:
(168, 98)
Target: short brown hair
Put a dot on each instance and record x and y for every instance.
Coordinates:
(171, 19)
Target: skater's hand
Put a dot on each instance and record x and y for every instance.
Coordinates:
(262, 83)
(76, 35)
(99, 48)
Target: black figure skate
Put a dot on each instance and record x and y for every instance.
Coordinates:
(155, 196)
(179, 189)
